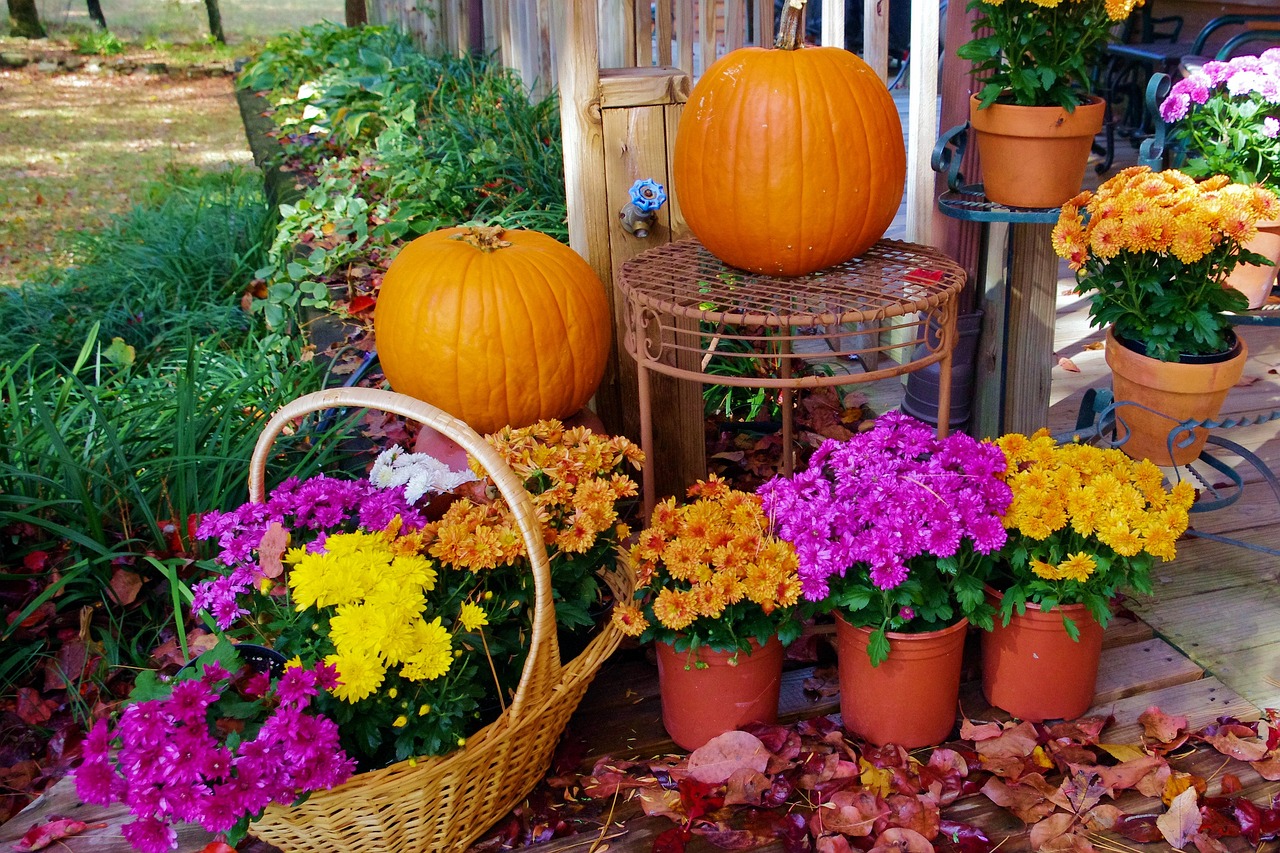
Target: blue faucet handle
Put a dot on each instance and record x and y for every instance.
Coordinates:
(648, 195)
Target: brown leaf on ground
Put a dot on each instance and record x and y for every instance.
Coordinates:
(1068, 365)
(849, 813)
(970, 730)
(1163, 728)
(1128, 774)
(1093, 346)
(746, 787)
(1056, 833)
(1182, 820)
(125, 586)
(1028, 800)
(902, 840)
(32, 708)
(719, 758)
(1236, 747)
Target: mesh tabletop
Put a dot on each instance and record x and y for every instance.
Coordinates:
(685, 306)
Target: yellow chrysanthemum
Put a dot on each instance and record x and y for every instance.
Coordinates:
(434, 655)
(1048, 571)
(675, 609)
(630, 620)
(1077, 567)
(358, 675)
(472, 616)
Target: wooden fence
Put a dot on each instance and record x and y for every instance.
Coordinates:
(685, 34)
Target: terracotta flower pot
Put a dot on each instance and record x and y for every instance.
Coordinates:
(1253, 280)
(1034, 156)
(911, 698)
(698, 704)
(1174, 391)
(1034, 670)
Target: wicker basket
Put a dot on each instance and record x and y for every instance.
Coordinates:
(445, 803)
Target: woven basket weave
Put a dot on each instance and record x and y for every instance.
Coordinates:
(445, 803)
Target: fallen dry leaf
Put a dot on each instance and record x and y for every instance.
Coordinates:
(1068, 365)
(1161, 727)
(719, 758)
(125, 586)
(1182, 820)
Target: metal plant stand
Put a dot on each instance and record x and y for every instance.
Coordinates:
(685, 308)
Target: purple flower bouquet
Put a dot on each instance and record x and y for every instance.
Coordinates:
(890, 526)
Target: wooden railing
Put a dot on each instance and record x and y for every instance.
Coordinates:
(684, 34)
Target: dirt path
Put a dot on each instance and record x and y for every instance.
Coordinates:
(77, 147)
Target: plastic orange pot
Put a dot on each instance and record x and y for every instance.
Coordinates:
(730, 691)
(911, 698)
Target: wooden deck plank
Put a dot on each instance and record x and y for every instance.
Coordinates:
(1142, 667)
(1223, 620)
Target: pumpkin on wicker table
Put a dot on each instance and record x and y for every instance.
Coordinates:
(789, 160)
(494, 327)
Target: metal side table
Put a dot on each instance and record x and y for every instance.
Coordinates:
(685, 308)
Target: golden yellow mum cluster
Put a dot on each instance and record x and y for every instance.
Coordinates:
(1097, 493)
(707, 555)
(375, 585)
(1164, 212)
(575, 478)
(1117, 10)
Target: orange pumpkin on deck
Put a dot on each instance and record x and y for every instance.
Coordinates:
(494, 327)
(789, 160)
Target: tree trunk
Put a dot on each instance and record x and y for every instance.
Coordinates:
(215, 21)
(95, 12)
(24, 19)
(357, 13)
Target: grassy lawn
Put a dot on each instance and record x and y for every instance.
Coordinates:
(187, 21)
(76, 148)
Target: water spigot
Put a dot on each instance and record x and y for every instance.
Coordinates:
(638, 215)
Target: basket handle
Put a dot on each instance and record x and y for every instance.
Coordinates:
(542, 667)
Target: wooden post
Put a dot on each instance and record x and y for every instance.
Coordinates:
(1033, 283)
(875, 35)
(833, 23)
(922, 118)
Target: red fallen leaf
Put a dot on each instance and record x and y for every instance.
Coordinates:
(716, 760)
(1162, 727)
(698, 798)
(32, 708)
(1079, 792)
(976, 732)
(1269, 767)
(1028, 801)
(125, 586)
(782, 741)
(902, 840)
(1049, 833)
(833, 844)
(960, 838)
(1214, 821)
(1016, 742)
(363, 302)
(1230, 784)
(42, 835)
(1127, 774)
(672, 840)
(36, 561)
(1230, 744)
(69, 665)
(37, 619)
(1208, 844)
(1084, 731)
(849, 813)
(1068, 365)
(1140, 828)
(275, 541)
(747, 787)
(1182, 820)
(1249, 817)
(217, 847)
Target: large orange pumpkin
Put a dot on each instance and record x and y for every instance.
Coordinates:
(789, 160)
(495, 327)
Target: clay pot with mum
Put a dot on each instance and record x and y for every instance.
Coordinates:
(890, 528)
(1085, 524)
(718, 596)
(1152, 252)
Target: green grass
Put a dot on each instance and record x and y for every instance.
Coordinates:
(186, 22)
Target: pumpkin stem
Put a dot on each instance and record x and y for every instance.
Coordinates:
(791, 26)
(486, 238)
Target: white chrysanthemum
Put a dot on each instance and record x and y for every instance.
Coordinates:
(419, 473)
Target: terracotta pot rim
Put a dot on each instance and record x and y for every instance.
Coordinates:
(1223, 378)
(1074, 607)
(964, 622)
(1052, 121)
